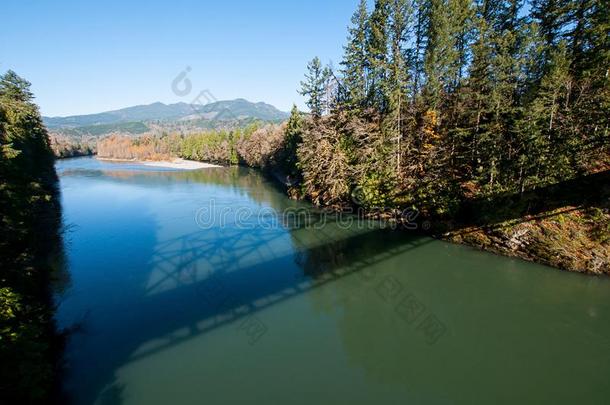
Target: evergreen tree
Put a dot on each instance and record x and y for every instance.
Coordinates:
(551, 17)
(416, 52)
(293, 138)
(377, 52)
(398, 78)
(590, 69)
(29, 225)
(495, 84)
(400, 15)
(440, 59)
(314, 87)
(597, 42)
(24, 136)
(545, 148)
(355, 59)
(462, 15)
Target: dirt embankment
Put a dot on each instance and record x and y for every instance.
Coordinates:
(566, 225)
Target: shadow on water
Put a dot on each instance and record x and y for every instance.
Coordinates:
(180, 288)
(199, 305)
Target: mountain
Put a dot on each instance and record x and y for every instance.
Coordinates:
(206, 116)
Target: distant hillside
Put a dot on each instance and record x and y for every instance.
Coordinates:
(127, 119)
(133, 128)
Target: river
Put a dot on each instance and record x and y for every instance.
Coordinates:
(202, 287)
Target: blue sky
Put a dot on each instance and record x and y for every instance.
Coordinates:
(91, 56)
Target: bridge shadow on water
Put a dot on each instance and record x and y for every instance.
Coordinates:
(185, 286)
(209, 279)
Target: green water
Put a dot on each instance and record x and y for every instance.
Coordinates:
(180, 297)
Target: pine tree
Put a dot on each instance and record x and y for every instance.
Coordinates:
(551, 18)
(440, 56)
(377, 52)
(492, 95)
(462, 15)
(591, 71)
(314, 87)
(14, 88)
(416, 52)
(355, 60)
(596, 38)
(400, 15)
(546, 148)
(24, 136)
(293, 138)
(398, 76)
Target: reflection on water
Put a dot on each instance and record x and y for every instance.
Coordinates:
(173, 313)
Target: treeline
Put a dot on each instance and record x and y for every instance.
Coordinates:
(441, 100)
(72, 146)
(255, 145)
(30, 248)
(146, 147)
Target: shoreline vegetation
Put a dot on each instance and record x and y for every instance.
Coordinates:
(31, 255)
(565, 225)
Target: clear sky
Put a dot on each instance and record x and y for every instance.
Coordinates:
(91, 56)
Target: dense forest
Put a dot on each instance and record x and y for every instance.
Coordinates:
(30, 249)
(438, 100)
(490, 117)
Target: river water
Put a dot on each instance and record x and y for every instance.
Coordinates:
(212, 287)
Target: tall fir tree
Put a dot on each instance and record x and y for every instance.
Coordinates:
(491, 98)
(462, 14)
(398, 76)
(377, 55)
(355, 64)
(293, 138)
(551, 17)
(314, 87)
(440, 56)
(418, 46)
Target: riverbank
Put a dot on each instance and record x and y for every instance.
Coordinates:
(179, 164)
(570, 238)
(564, 225)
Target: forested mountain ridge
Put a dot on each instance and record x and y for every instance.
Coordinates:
(79, 135)
(215, 111)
